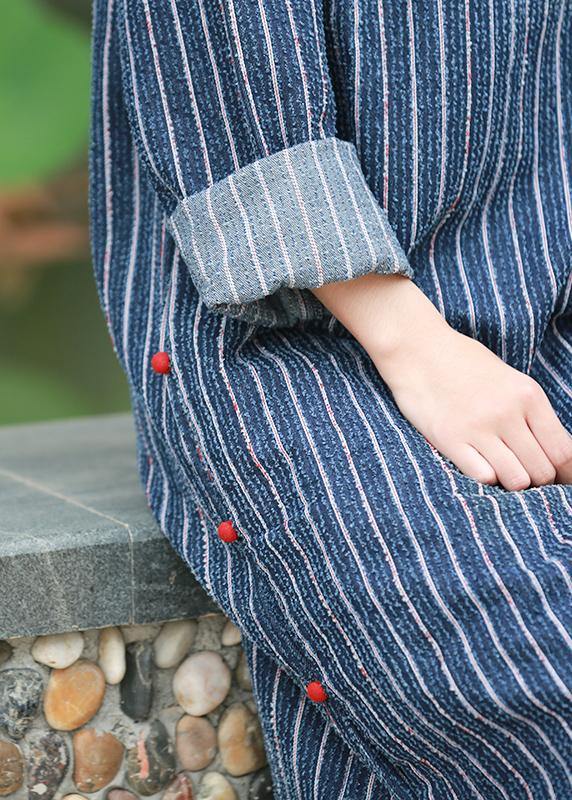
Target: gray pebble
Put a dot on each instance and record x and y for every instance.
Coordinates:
(261, 786)
(137, 684)
(48, 761)
(20, 695)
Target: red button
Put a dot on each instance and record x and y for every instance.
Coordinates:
(316, 692)
(161, 363)
(227, 532)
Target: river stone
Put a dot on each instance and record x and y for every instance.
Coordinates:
(180, 788)
(261, 786)
(230, 634)
(111, 654)
(138, 633)
(5, 651)
(215, 786)
(97, 758)
(11, 768)
(195, 742)
(240, 740)
(117, 793)
(48, 760)
(201, 683)
(151, 763)
(58, 650)
(137, 685)
(74, 695)
(174, 642)
(242, 673)
(74, 797)
(20, 695)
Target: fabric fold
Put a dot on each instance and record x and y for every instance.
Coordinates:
(256, 241)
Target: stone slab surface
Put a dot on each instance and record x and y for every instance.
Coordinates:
(78, 546)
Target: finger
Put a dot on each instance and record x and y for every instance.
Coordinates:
(473, 464)
(564, 473)
(552, 437)
(510, 472)
(522, 442)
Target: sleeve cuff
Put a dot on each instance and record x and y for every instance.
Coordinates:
(256, 241)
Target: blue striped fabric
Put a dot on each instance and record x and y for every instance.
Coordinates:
(434, 610)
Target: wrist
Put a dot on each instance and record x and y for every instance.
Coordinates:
(388, 314)
(406, 328)
(402, 358)
(393, 320)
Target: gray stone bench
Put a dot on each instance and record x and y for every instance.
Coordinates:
(78, 545)
(109, 648)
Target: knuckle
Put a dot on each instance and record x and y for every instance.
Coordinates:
(530, 390)
(484, 476)
(544, 476)
(517, 482)
(563, 456)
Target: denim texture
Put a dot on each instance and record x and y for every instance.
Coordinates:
(300, 218)
(434, 610)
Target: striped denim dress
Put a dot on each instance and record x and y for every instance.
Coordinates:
(407, 628)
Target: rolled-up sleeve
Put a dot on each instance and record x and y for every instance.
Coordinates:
(233, 113)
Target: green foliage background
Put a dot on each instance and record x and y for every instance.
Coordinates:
(44, 80)
(55, 356)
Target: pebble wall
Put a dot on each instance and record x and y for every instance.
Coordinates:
(162, 711)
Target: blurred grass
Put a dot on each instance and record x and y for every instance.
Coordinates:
(44, 91)
(55, 356)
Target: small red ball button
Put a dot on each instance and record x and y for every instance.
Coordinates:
(161, 363)
(316, 692)
(227, 532)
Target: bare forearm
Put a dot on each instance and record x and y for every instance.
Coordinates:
(387, 314)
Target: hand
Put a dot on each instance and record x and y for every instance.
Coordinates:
(493, 422)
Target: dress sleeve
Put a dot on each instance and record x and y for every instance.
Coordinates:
(233, 113)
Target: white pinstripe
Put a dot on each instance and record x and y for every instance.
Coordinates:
(464, 168)
(277, 226)
(357, 72)
(244, 73)
(107, 168)
(536, 179)
(495, 182)
(559, 117)
(514, 230)
(272, 64)
(192, 96)
(476, 184)
(356, 206)
(249, 236)
(303, 75)
(132, 258)
(218, 86)
(443, 74)
(323, 72)
(305, 219)
(414, 127)
(333, 214)
(164, 101)
(383, 56)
